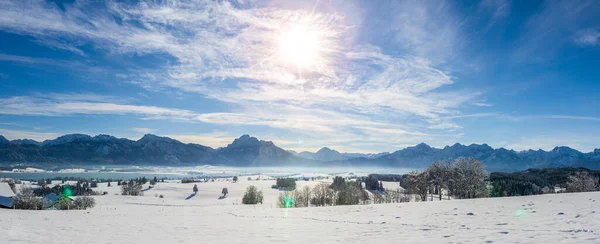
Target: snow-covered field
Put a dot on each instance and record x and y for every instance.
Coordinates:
(206, 219)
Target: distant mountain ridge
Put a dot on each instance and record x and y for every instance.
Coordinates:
(327, 154)
(247, 151)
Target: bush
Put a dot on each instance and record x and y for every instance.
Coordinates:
(64, 204)
(274, 186)
(252, 196)
(235, 179)
(161, 196)
(84, 203)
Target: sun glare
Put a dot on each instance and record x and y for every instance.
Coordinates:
(299, 46)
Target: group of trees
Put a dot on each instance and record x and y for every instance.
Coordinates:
(81, 188)
(372, 183)
(132, 188)
(340, 192)
(463, 178)
(540, 181)
(287, 183)
(252, 196)
(582, 182)
(27, 199)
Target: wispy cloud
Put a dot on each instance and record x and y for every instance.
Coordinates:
(355, 93)
(143, 130)
(21, 134)
(69, 104)
(483, 104)
(588, 37)
(213, 139)
(540, 43)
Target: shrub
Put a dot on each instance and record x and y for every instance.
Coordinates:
(161, 196)
(64, 204)
(274, 186)
(235, 179)
(252, 196)
(84, 203)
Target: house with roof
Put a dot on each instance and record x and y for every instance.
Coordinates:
(52, 199)
(7, 195)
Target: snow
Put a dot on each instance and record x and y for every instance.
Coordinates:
(205, 218)
(71, 170)
(27, 170)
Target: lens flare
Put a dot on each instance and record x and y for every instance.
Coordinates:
(288, 202)
(521, 213)
(67, 191)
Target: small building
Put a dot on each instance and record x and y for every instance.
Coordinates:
(7, 195)
(558, 189)
(546, 190)
(52, 199)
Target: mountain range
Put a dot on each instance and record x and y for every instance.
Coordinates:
(247, 151)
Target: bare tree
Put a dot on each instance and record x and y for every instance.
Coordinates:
(306, 193)
(582, 182)
(322, 195)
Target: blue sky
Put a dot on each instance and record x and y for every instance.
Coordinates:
(357, 76)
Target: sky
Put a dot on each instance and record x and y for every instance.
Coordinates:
(355, 76)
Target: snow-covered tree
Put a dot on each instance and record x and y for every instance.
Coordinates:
(468, 178)
(581, 182)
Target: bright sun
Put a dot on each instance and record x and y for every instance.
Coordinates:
(299, 46)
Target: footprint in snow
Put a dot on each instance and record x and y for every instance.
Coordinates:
(470, 214)
(561, 213)
(503, 232)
